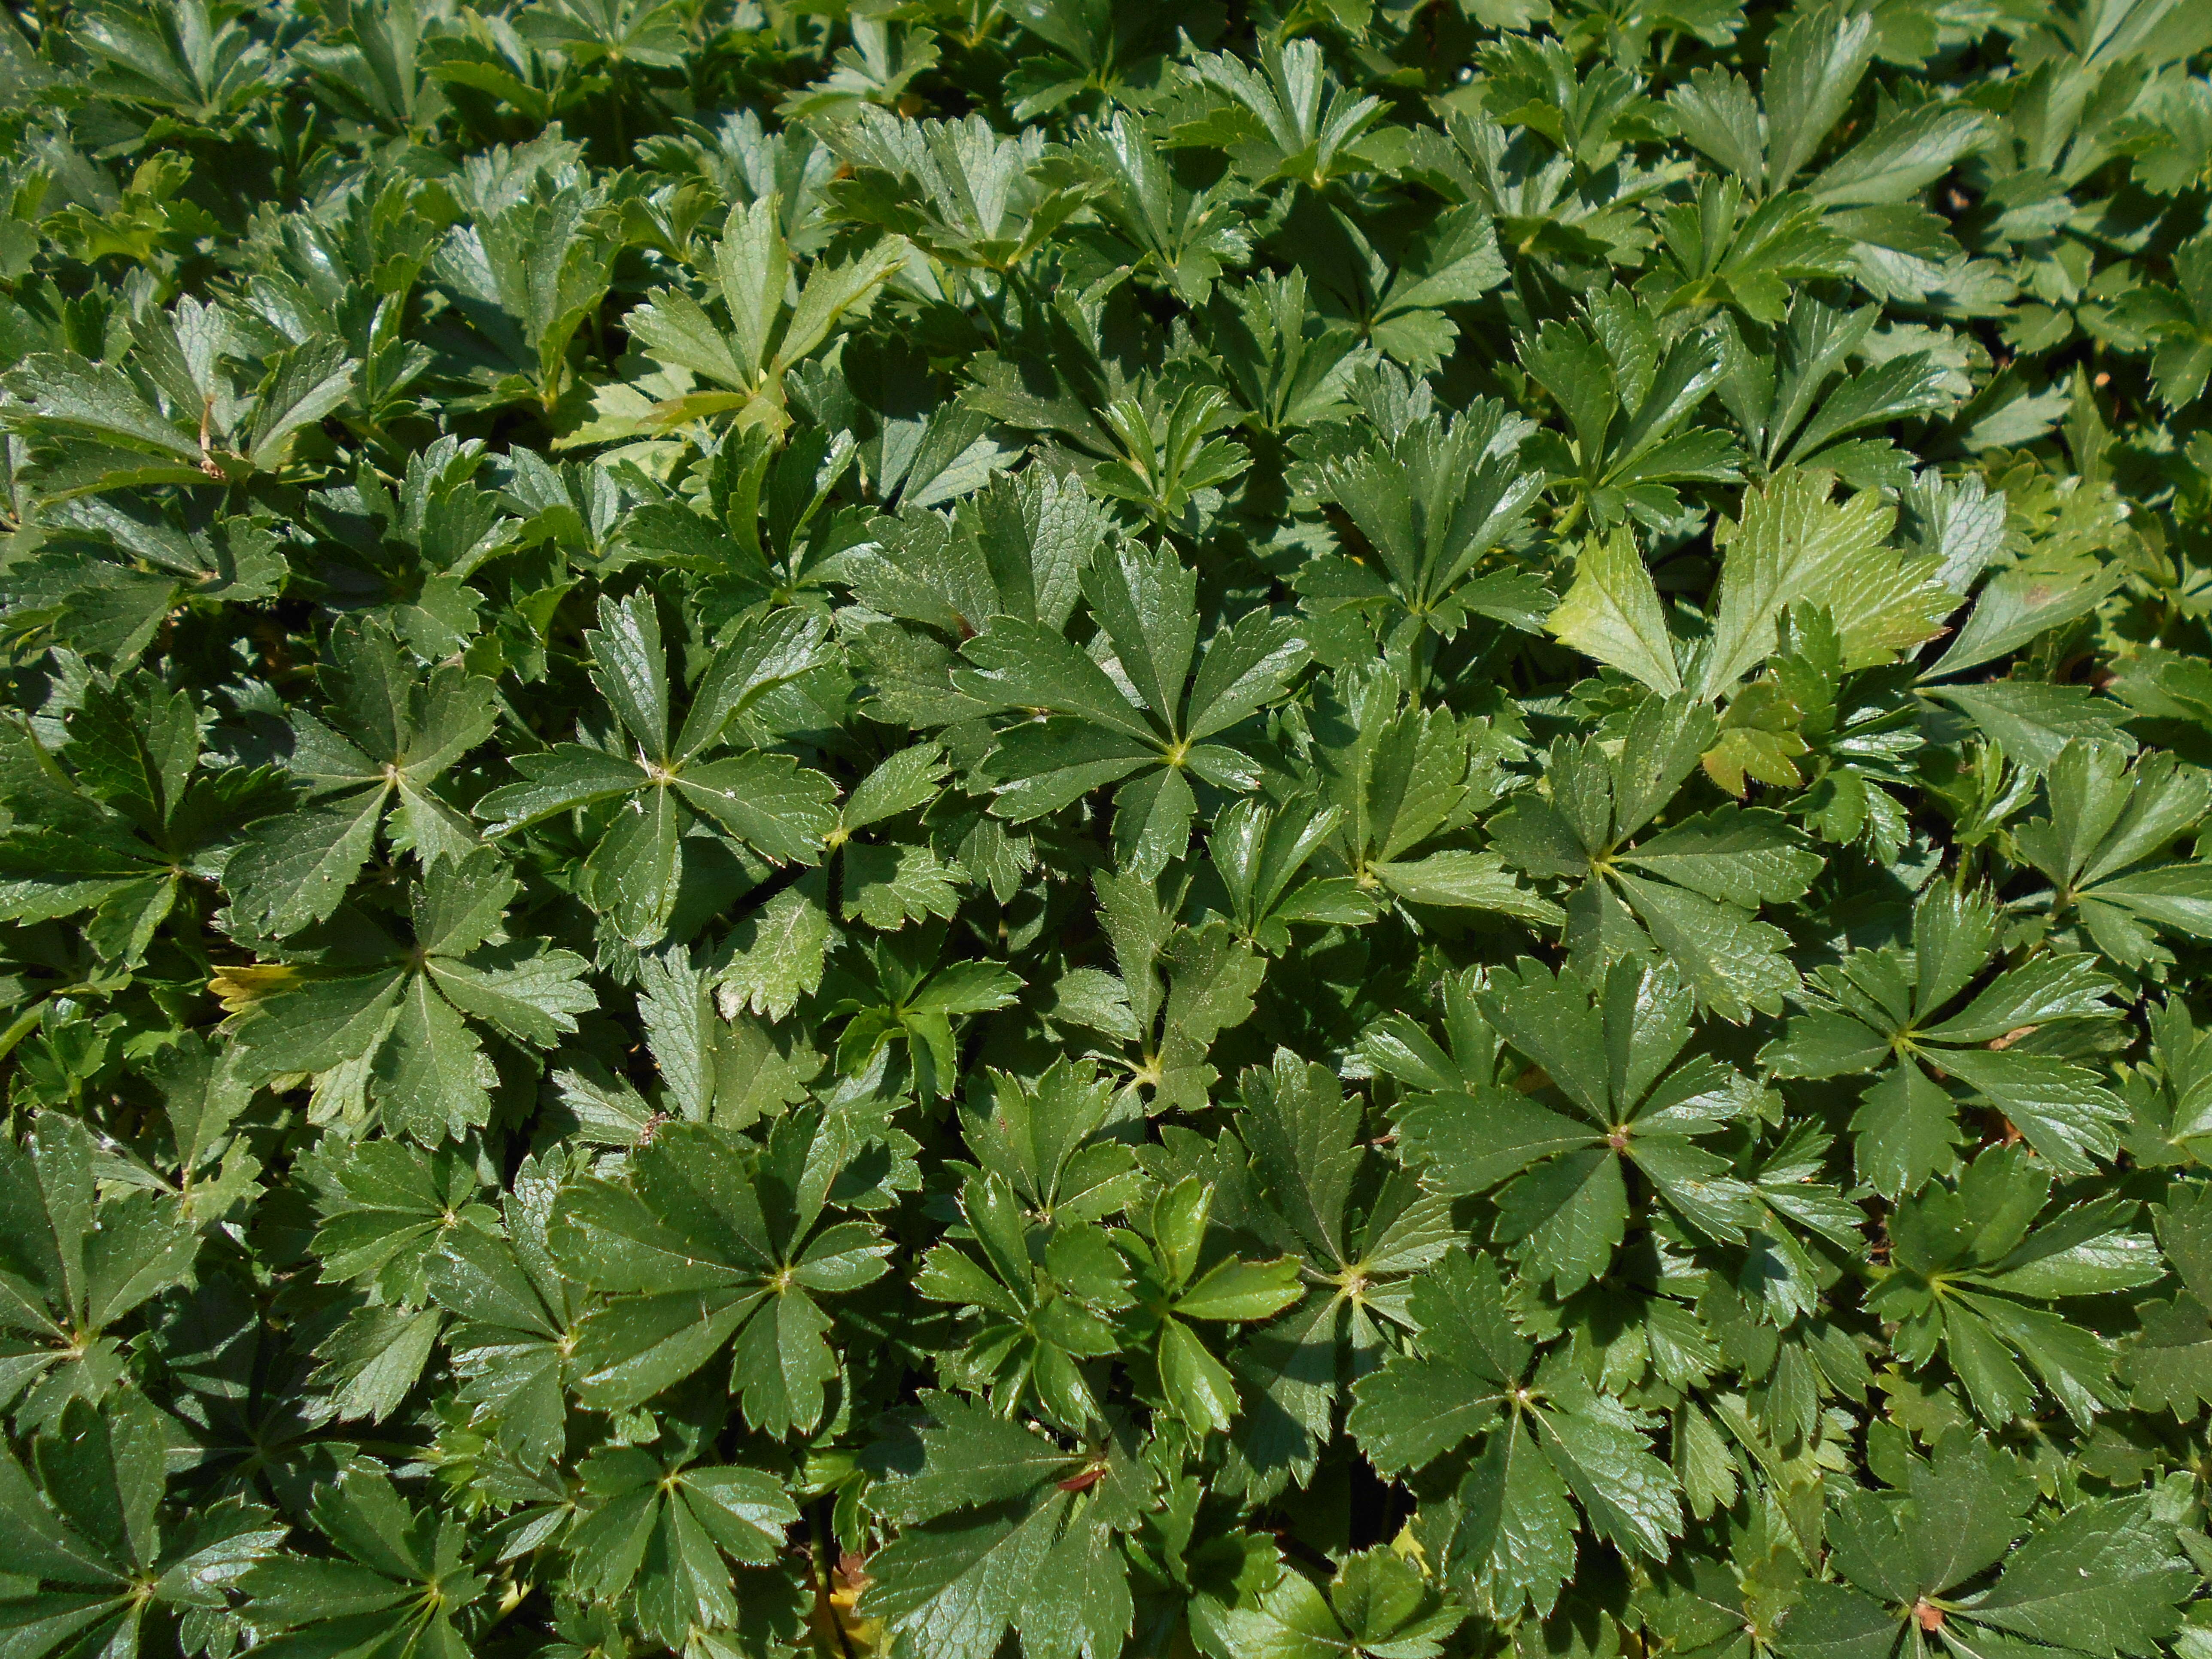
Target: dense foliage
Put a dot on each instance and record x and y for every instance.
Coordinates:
(1104, 827)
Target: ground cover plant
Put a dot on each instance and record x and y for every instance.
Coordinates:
(1105, 827)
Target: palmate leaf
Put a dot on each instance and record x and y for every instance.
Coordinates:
(75, 1264)
(1468, 1377)
(664, 1529)
(1018, 547)
(1793, 544)
(1567, 1206)
(171, 416)
(523, 278)
(1691, 890)
(641, 31)
(1766, 141)
(1092, 46)
(1627, 396)
(1158, 734)
(2098, 1579)
(746, 366)
(194, 63)
(1177, 989)
(1970, 1288)
(1291, 365)
(1376, 1603)
(1399, 776)
(1878, 1004)
(1173, 1284)
(1785, 395)
(1431, 507)
(2177, 318)
(902, 995)
(1729, 249)
(1301, 1134)
(139, 815)
(411, 1013)
(2166, 1366)
(1003, 1527)
(398, 1584)
(2104, 847)
(1286, 117)
(394, 732)
(652, 778)
(114, 573)
(1159, 453)
(1034, 1330)
(86, 1515)
(712, 1240)
(521, 1312)
(1188, 235)
(962, 191)
(1399, 293)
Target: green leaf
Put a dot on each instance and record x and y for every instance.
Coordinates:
(1476, 881)
(2100, 1576)
(778, 952)
(1793, 544)
(1516, 1535)
(697, 1255)
(1024, 664)
(1612, 613)
(1376, 1603)
(963, 1586)
(1418, 1407)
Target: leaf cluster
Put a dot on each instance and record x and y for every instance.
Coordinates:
(1105, 829)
